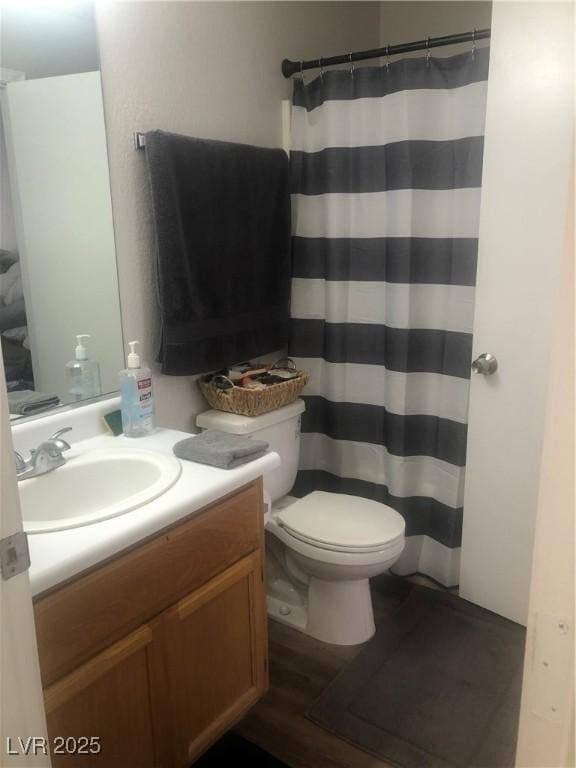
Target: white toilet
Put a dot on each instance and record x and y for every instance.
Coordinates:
(321, 549)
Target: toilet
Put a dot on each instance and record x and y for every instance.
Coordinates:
(321, 549)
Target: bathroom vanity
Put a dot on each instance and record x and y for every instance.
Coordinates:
(159, 650)
(151, 625)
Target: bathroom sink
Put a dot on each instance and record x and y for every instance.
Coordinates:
(94, 486)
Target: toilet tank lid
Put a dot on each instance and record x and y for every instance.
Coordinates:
(233, 423)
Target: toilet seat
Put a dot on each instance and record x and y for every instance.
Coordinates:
(342, 523)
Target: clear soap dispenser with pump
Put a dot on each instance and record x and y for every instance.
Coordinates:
(82, 374)
(137, 401)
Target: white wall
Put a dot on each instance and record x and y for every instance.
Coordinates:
(59, 176)
(402, 22)
(208, 70)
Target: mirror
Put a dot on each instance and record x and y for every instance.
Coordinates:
(57, 254)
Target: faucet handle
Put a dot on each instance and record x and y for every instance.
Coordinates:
(62, 431)
(62, 445)
(20, 463)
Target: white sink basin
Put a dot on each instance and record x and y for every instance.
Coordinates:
(93, 486)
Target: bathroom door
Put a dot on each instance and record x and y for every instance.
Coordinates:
(21, 700)
(527, 161)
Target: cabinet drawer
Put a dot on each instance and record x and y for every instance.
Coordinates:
(79, 620)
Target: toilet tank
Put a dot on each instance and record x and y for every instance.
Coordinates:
(279, 428)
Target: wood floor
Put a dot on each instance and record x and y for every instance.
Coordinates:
(300, 669)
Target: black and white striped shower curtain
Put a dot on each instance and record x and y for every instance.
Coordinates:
(386, 172)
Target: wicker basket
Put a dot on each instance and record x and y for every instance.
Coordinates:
(253, 402)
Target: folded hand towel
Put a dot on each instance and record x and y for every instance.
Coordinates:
(25, 402)
(220, 449)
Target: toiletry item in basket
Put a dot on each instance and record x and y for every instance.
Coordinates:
(284, 374)
(136, 396)
(82, 374)
(247, 369)
(251, 383)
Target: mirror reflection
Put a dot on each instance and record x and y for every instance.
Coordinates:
(60, 324)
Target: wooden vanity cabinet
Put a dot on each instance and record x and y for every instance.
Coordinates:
(160, 650)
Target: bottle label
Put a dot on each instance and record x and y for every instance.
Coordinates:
(137, 404)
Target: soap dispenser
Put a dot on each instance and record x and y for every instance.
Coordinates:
(82, 374)
(137, 401)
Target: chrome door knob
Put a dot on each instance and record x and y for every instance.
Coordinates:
(485, 364)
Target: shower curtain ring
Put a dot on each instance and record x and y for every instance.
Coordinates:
(387, 58)
(473, 51)
(428, 53)
(321, 62)
(351, 64)
(302, 72)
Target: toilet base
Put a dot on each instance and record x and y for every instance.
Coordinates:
(295, 616)
(340, 612)
(337, 612)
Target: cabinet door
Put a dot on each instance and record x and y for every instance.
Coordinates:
(107, 698)
(212, 660)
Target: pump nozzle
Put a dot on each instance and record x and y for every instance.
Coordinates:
(81, 352)
(133, 359)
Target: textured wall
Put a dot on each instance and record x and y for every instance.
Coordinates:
(209, 70)
(401, 22)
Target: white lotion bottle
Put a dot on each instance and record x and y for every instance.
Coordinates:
(137, 401)
(82, 374)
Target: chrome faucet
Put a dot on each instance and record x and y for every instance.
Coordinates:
(45, 458)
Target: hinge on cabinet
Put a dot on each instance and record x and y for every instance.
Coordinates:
(14, 555)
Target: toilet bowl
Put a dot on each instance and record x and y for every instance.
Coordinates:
(335, 543)
(321, 549)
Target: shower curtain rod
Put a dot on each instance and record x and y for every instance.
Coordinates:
(289, 68)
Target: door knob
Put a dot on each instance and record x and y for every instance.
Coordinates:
(485, 364)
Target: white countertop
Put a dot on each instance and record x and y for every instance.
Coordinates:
(59, 555)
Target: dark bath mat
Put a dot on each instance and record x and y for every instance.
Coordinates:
(438, 686)
(232, 750)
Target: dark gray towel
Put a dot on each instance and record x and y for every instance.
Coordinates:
(220, 449)
(25, 402)
(222, 217)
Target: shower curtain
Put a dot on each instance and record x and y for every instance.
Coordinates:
(386, 167)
